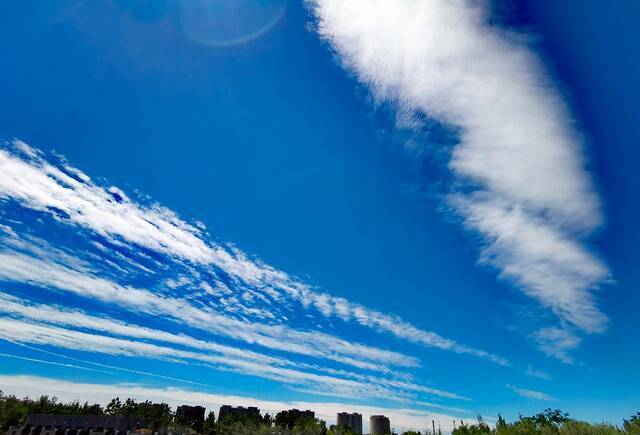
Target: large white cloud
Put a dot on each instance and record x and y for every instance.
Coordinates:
(521, 178)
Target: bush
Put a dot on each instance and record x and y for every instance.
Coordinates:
(550, 422)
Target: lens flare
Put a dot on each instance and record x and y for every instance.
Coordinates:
(229, 22)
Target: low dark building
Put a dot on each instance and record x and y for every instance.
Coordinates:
(45, 424)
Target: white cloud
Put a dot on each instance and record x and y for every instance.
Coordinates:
(557, 342)
(101, 393)
(23, 268)
(530, 394)
(65, 317)
(72, 198)
(32, 328)
(39, 185)
(53, 363)
(519, 152)
(537, 373)
(26, 332)
(548, 265)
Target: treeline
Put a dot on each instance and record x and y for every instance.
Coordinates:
(550, 422)
(160, 417)
(14, 411)
(291, 422)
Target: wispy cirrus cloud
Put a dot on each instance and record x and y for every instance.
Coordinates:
(557, 342)
(537, 373)
(67, 242)
(23, 268)
(521, 181)
(22, 331)
(530, 394)
(72, 198)
(32, 323)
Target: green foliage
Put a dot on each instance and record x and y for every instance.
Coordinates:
(474, 429)
(290, 418)
(340, 430)
(550, 422)
(209, 426)
(155, 415)
(309, 426)
(14, 411)
(250, 421)
(632, 426)
(183, 423)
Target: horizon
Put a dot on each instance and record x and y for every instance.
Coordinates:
(215, 409)
(423, 209)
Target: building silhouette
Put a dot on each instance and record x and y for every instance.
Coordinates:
(238, 411)
(379, 425)
(351, 420)
(44, 424)
(190, 416)
(292, 417)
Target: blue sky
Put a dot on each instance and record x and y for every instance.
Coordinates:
(411, 208)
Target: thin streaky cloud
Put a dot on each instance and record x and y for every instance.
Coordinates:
(106, 366)
(71, 197)
(59, 316)
(53, 363)
(34, 333)
(76, 319)
(557, 342)
(530, 394)
(537, 373)
(23, 268)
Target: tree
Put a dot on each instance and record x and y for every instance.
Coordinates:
(209, 426)
(114, 407)
(309, 426)
(268, 420)
(340, 430)
(153, 415)
(475, 429)
(288, 419)
(632, 426)
(14, 411)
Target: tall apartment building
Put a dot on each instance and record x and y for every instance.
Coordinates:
(353, 421)
(379, 425)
